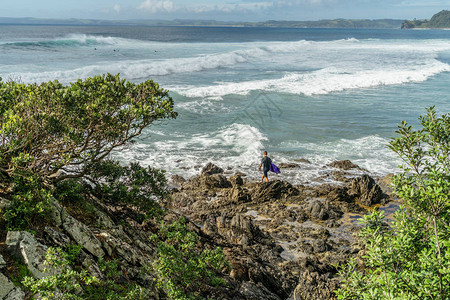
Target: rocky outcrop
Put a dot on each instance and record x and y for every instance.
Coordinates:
(343, 165)
(211, 169)
(24, 246)
(366, 190)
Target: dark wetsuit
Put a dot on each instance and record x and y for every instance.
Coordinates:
(265, 162)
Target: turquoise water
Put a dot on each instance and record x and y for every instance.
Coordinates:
(317, 94)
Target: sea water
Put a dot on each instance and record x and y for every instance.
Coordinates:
(301, 94)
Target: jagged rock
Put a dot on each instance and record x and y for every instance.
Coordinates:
(2, 262)
(6, 286)
(103, 220)
(239, 195)
(273, 190)
(236, 180)
(288, 165)
(81, 234)
(178, 180)
(24, 246)
(258, 291)
(314, 285)
(318, 210)
(56, 238)
(339, 194)
(15, 294)
(343, 165)
(206, 182)
(211, 169)
(238, 229)
(367, 190)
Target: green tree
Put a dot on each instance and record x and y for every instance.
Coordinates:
(51, 127)
(411, 259)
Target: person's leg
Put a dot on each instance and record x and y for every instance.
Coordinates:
(266, 175)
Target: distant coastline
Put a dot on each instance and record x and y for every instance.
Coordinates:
(440, 20)
(335, 23)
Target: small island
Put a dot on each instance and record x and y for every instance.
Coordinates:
(439, 20)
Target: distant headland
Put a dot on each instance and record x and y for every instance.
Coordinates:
(439, 20)
(335, 23)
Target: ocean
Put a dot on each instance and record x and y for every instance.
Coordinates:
(308, 96)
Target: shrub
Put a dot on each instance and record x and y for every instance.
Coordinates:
(411, 260)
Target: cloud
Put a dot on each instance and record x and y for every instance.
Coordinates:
(154, 6)
(231, 8)
(116, 8)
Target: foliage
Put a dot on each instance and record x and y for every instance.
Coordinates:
(68, 283)
(52, 127)
(439, 20)
(134, 185)
(181, 267)
(29, 205)
(412, 259)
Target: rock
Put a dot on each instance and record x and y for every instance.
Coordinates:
(238, 195)
(178, 180)
(2, 262)
(214, 181)
(258, 291)
(288, 165)
(275, 189)
(24, 246)
(302, 160)
(56, 238)
(367, 190)
(15, 294)
(236, 180)
(343, 165)
(81, 234)
(339, 194)
(211, 169)
(4, 204)
(6, 286)
(318, 210)
(385, 184)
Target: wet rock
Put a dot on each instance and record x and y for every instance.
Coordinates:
(303, 160)
(211, 169)
(273, 190)
(339, 194)
(288, 165)
(236, 180)
(24, 246)
(318, 210)
(343, 165)
(321, 246)
(366, 190)
(178, 180)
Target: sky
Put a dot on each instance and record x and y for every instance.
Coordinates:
(228, 10)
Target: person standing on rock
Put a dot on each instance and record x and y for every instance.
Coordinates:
(266, 162)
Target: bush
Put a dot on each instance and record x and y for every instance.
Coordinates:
(182, 269)
(68, 283)
(411, 260)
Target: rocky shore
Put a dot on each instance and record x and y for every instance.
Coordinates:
(283, 241)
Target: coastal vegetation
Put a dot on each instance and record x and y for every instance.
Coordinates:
(75, 224)
(410, 257)
(439, 20)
